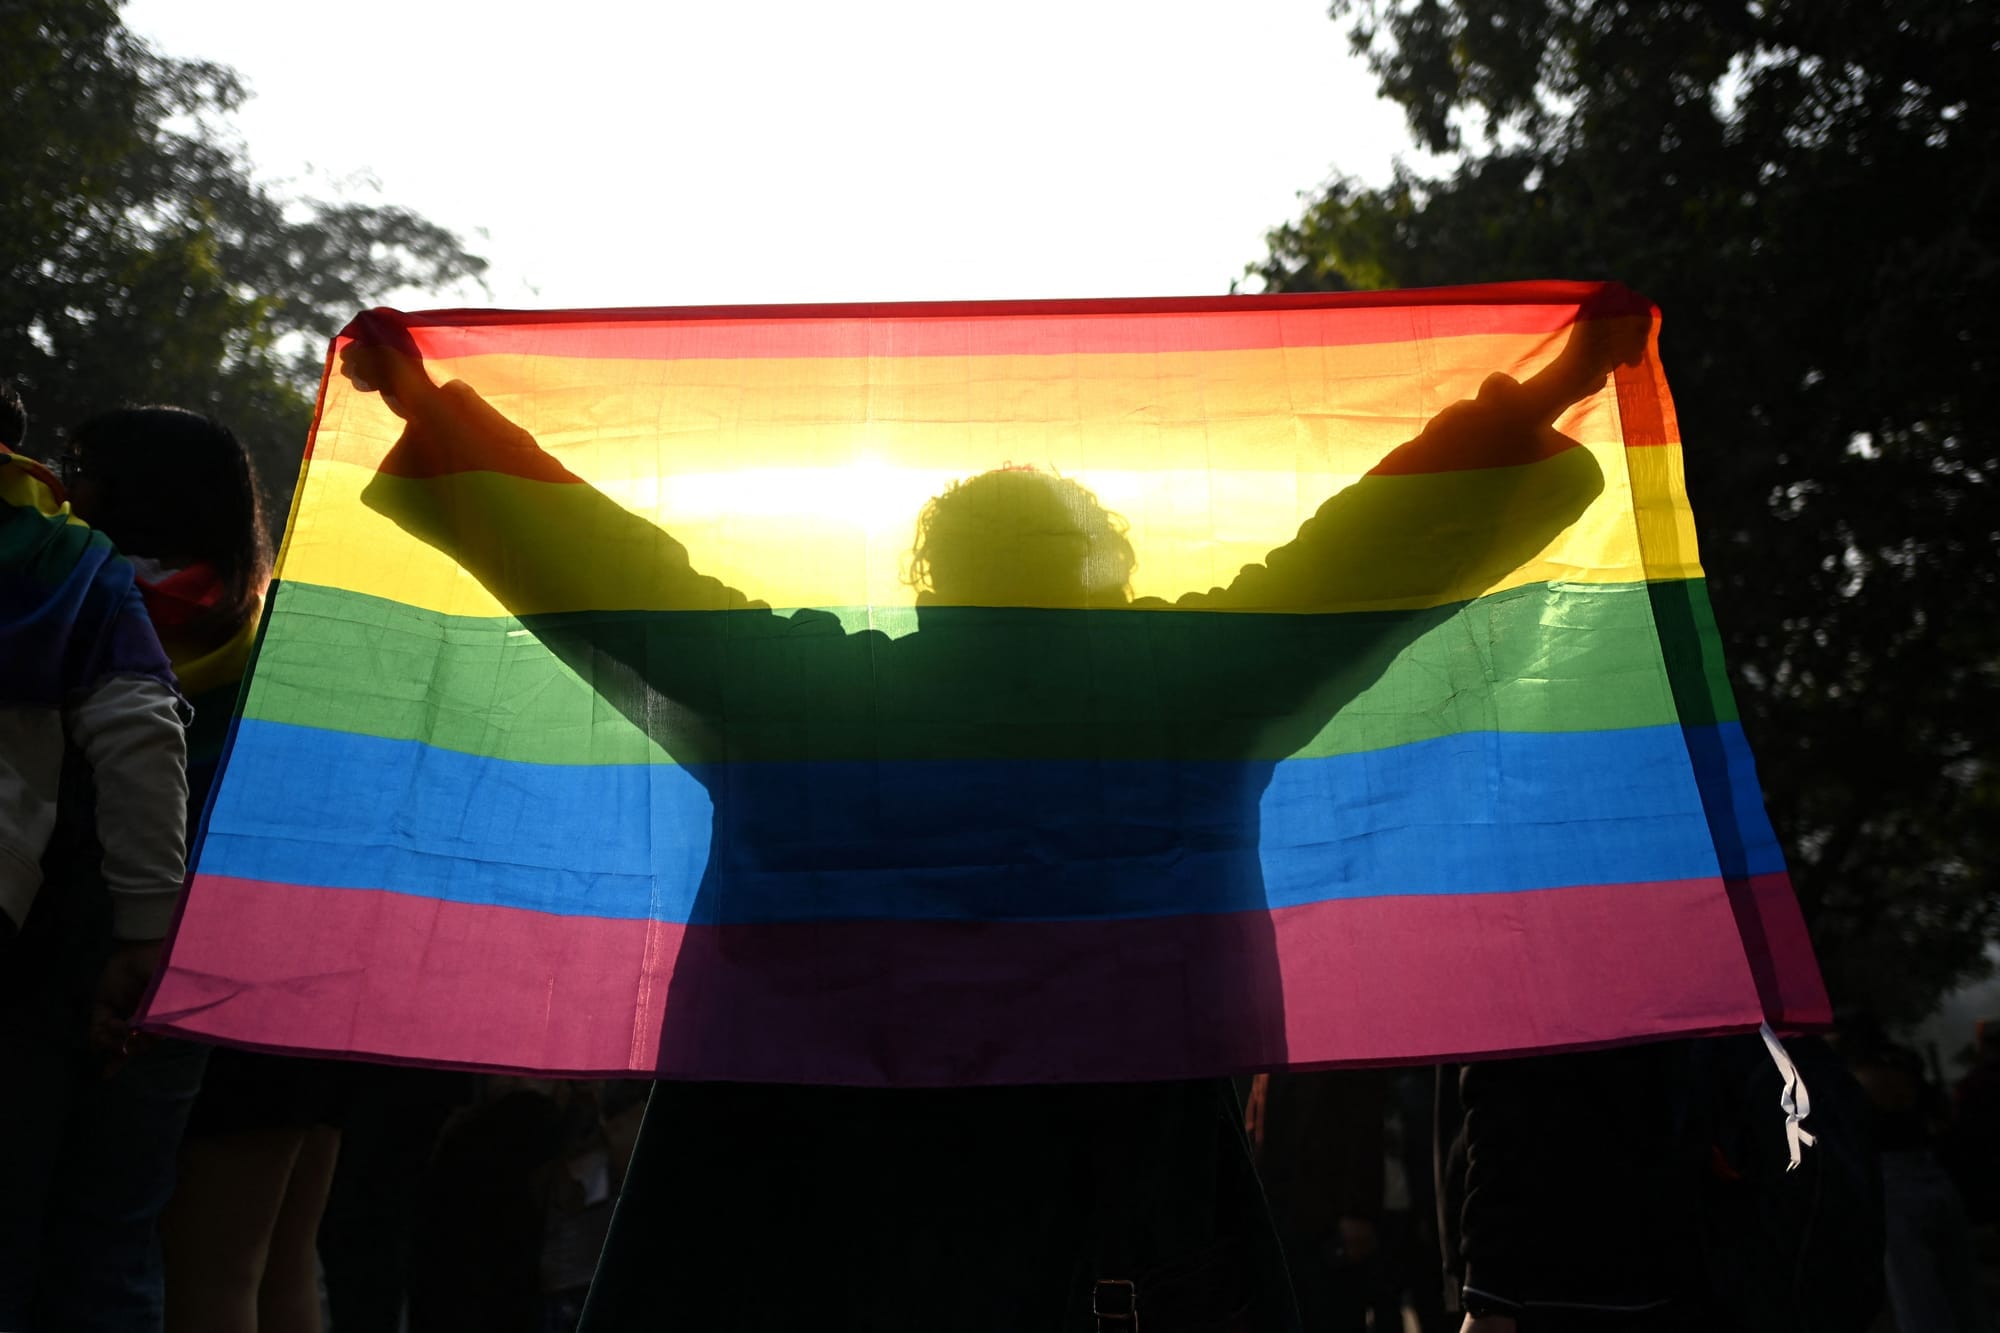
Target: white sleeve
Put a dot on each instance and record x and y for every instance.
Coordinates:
(130, 730)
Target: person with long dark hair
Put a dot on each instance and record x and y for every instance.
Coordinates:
(178, 492)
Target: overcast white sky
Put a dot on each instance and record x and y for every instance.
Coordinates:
(673, 154)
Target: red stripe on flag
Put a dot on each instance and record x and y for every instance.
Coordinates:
(1376, 980)
(1009, 328)
(1645, 407)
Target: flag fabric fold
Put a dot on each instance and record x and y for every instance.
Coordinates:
(980, 693)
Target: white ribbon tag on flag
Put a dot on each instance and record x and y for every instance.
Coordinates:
(1795, 1099)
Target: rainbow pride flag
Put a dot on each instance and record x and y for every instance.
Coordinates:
(990, 692)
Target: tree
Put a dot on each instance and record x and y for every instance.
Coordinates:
(1812, 194)
(143, 261)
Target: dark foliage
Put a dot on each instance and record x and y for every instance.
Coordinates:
(1811, 192)
(143, 263)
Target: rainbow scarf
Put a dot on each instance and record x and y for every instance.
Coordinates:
(598, 729)
(209, 651)
(70, 611)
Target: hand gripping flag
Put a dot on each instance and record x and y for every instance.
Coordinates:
(981, 693)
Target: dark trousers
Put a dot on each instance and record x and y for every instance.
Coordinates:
(87, 1148)
(86, 1162)
(760, 1207)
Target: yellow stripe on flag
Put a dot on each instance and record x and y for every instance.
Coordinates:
(840, 537)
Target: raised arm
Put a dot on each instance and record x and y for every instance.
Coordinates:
(1487, 484)
(466, 480)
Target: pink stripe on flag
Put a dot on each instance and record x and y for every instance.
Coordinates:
(399, 977)
(1774, 931)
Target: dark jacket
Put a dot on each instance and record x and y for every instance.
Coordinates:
(1564, 1194)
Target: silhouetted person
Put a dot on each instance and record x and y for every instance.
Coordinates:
(1975, 1132)
(755, 1206)
(93, 815)
(1930, 1258)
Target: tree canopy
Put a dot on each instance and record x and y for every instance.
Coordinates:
(145, 263)
(1811, 193)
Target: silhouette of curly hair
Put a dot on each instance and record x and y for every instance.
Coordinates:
(987, 520)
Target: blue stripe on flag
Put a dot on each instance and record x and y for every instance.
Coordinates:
(1479, 812)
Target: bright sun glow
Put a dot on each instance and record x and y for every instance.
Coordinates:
(867, 494)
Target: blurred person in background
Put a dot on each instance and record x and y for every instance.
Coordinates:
(1932, 1272)
(1975, 1130)
(93, 808)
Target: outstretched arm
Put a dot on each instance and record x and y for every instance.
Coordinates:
(1487, 484)
(466, 480)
